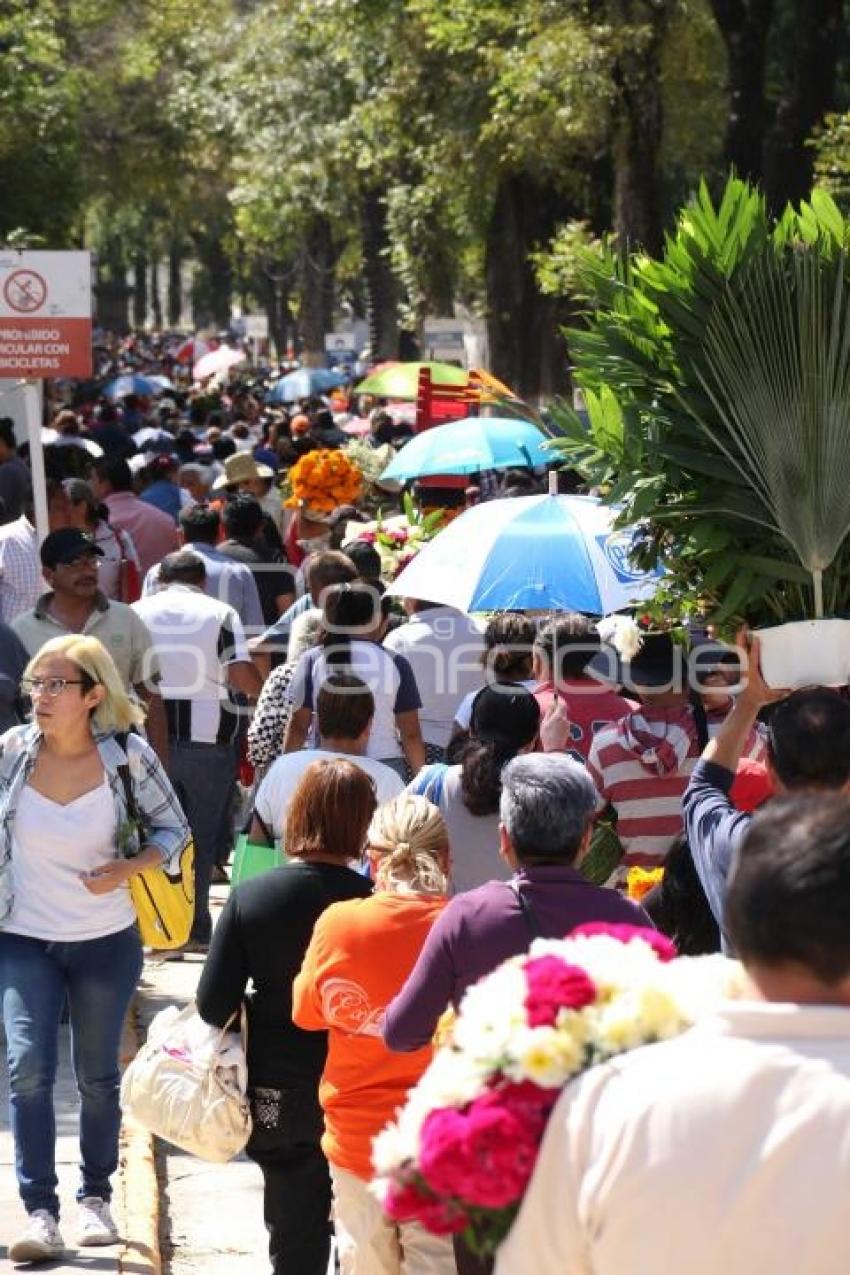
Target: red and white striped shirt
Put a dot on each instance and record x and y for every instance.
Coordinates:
(641, 766)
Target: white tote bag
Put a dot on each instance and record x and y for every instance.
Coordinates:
(188, 1084)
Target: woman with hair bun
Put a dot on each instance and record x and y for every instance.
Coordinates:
(359, 957)
(505, 721)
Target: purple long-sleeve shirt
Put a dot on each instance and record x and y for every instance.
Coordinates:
(481, 928)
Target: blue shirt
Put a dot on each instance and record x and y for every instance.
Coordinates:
(276, 635)
(227, 581)
(163, 495)
(715, 829)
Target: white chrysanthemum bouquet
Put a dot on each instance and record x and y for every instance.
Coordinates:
(461, 1153)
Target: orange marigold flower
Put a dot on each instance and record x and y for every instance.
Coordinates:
(639, 882)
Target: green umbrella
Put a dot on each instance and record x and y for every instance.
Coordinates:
(401, 380)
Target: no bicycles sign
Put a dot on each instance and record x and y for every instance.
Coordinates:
(45, 314)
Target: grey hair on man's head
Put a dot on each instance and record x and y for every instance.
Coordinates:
(547, 803)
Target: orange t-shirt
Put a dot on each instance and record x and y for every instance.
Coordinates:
(359, 956)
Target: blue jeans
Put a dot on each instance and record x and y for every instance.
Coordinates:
(98, 978)
(203, 776)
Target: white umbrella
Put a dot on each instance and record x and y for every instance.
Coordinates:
(220, 360)
(531, 553)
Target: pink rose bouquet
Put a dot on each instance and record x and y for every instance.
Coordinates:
(461, 1153)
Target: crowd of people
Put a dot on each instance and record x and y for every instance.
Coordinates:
(441, 787)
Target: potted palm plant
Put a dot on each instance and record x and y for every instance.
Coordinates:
(717, 386)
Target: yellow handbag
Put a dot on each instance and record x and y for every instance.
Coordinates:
(164, 897)
(164, 900)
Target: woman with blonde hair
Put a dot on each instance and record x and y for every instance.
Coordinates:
(67, 924)
(359, 957)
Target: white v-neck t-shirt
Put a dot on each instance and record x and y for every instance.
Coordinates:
(52, 845)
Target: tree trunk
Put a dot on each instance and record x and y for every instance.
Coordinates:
(527, 350)
(213, 288)
(220, 274)
(271, 281)
(379, 280)
(745, 26)
(140, 290)
(638, 127)
(156, 298)
(112, 291)
(317, 260)
(810, 93)
(175, 284)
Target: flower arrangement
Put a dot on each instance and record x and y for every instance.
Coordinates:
(398, 539)
(323, 480)
(461, 1153)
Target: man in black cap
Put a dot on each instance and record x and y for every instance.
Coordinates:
(75, 604)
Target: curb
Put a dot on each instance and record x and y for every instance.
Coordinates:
(138, 1184)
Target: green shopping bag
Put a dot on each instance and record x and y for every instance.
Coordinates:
(251, 860)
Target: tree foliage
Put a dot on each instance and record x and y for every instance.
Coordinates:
(717, 398)
(401, 155)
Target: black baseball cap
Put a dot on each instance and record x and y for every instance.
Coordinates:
(65, 546)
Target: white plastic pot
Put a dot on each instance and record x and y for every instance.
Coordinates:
(806, 653)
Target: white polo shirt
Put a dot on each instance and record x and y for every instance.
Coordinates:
(195, 637)
(724, 1150)
(444, 648)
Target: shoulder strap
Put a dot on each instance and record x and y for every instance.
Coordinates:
(126, 778)
(267, 832)
(120, 543)
(700, 721)
(528, 913)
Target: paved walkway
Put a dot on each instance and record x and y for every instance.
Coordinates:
(210, 1216)
(12, 1215)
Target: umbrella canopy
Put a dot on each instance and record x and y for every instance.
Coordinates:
(145, 386)
(531, 553)
(401, 380)
(189, 351)
(220, 360)
(162, 382)
(468, 446)
(304, 383)
(491, 388)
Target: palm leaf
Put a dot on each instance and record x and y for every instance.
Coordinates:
(775, 365)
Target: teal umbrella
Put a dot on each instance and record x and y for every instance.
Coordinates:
(470, 445)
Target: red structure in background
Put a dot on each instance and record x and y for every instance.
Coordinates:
(438, 404)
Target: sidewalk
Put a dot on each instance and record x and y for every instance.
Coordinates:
(197, 1217)
(211, 1215)
(12, 1215)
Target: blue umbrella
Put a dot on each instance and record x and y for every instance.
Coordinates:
(304, 383)
(132, 384)
(531, 553)
(468, 446)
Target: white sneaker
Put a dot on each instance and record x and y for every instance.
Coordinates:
(95, 1225)
(41, 1240)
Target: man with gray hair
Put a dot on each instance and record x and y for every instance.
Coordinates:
(546, 822)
